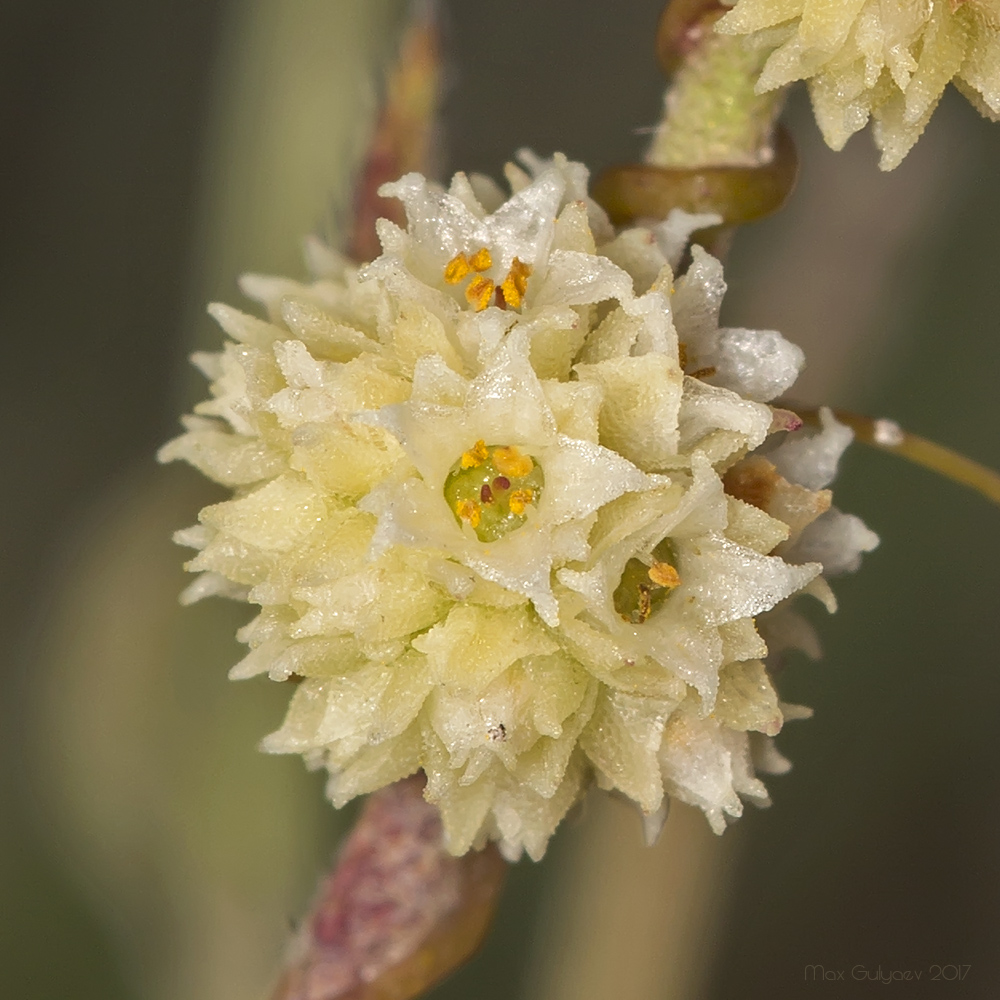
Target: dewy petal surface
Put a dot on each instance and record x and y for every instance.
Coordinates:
(493, 498)
(889, 61)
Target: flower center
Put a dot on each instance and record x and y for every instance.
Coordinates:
(481, 290)
(491, 489)
(644, 588)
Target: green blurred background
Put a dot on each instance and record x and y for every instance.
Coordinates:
(152, 152)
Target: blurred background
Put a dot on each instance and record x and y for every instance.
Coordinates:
(152, 152)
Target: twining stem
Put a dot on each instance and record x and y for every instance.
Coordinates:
(889, 436)
(396, 913)
(717, 149)
(711, 115)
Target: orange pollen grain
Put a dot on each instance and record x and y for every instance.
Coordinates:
(475, 456)
(481, 260)
(520, 499)
(457, 268)
(664, 575)
(469, 511)
(510, 462)
(479, 293)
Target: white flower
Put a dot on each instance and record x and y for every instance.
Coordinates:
(723, 584)
(492, 497)
(507, 403)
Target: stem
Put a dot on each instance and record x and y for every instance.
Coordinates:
(711, 115)
(716, 149)
(889, 436)
(406, 135)
(396, 913)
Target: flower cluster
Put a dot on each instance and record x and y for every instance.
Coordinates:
(511, 503)
(890, 61)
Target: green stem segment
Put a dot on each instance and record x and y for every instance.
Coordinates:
(717, 148)
(711, 115)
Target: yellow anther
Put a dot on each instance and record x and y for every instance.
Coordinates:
(457, 268)
(664, 575)
(479, 293)
(475, 456)
(469, 511)
(510, 462)
(481, 260)
(511, 296)
(520, 499)
(519, 273)
(516, 283)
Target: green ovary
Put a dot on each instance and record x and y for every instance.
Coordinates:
(491, 488)
(643, 588)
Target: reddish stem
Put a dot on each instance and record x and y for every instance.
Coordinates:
(397, 913)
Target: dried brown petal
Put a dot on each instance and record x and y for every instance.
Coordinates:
(756, 481)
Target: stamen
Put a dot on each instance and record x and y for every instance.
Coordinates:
(515, 284)
(479, 293)
(469, 511)
(511, 462)
(520, 499)
(664, 575)
(457, 268)
(519, 274)
(645, 608)
(703, 372)
(481, 260)
(475, 456)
